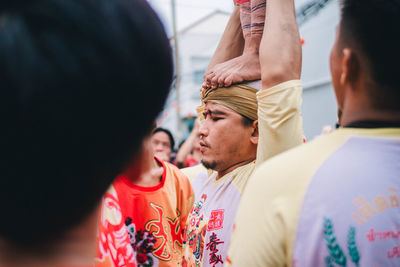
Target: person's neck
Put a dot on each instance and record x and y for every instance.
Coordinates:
(358, 107)
(353, 115)
(77, 247)
(222, 173)
(151, 173)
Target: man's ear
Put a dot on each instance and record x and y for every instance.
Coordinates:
(254, 134)
(350, 67)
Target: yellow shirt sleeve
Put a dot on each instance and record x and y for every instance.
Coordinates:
(279, 119)
(266, 218)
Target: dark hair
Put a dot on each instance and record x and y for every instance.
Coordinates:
(78, 95)
(371, 28)
(171, 138)
(247, 121)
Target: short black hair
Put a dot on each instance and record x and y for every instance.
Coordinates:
(168, 132)
(371, 27)
(78, 95)
(247, 121)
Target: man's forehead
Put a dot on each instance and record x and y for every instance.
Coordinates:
(160, 135)
(217, 107)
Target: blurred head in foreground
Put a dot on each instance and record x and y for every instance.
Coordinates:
(76, 103)
(364, 61)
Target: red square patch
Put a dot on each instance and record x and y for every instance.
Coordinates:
(216, 220)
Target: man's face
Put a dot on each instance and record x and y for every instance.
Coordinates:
(224, 140)
(336, 68)
(161, 145)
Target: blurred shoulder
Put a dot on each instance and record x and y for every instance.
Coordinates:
(193, 172)
(296, 166)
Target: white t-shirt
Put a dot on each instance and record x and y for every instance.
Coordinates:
(210, 222)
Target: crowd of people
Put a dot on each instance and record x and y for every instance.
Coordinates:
(87, 179)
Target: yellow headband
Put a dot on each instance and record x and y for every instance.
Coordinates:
(240, 98)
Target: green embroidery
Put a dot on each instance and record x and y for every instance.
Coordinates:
(336, 253)
(352, 246)
(329, 261)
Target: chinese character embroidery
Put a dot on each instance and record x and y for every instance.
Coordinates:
(212, 246)
(216, 220)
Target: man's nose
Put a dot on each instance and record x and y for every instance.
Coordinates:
(159, 147)
(203, 129)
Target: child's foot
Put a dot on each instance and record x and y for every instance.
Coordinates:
(243, 68)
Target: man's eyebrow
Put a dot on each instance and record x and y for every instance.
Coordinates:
(216, 112)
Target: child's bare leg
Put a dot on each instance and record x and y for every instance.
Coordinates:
(246, 66)
(231, 44)
(258, 9)
(245, 19)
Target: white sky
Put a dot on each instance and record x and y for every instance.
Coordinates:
(189, 11)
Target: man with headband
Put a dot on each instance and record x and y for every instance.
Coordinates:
(241, 128)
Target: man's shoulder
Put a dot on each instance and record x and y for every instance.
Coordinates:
(121, 184)
(178, 179)
(174, 171)
(179, 184)
(311, 155)
(297, 165)
(193, 172)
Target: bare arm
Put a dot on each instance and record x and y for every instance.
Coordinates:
(280, 49)
(280, 127)
(232, 41)
(279, 103)
(187, 146)
(237, 56)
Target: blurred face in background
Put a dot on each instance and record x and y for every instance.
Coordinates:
(161, 145)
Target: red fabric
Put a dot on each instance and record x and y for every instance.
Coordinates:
(155, 217)
(113, 244)
(241, 1)
(190, 162)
